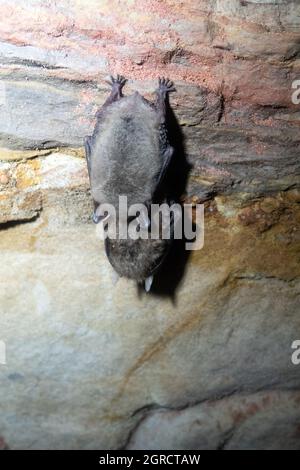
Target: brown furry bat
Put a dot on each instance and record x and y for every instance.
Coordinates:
(128, 155)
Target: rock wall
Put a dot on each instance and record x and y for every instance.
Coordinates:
(205, 365)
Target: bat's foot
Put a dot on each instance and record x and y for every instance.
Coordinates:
(118, 82)
(115, 94)
(165, 86)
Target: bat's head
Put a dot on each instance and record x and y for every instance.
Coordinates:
(136, 259)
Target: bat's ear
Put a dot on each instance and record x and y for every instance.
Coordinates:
(148, 283)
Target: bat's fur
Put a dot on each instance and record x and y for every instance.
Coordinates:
(125, 158)
(136, 259)
(127, 155)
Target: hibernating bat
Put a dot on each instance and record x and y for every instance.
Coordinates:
(128, 154)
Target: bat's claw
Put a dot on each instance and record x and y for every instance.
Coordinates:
(117, 82)
(165, 85)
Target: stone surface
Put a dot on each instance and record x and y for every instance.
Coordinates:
(87, 360)
(204, 360)
(261, 421)
(27, 186)
(233, 63)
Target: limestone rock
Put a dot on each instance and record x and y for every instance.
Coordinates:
(261, 421)
(234, 64)
(204, 360)
(90, 360)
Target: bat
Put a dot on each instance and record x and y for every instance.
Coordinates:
(128, 154)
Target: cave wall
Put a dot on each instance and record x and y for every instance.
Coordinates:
(91, 364)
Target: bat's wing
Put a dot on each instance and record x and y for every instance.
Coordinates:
(165, 86)
(88, 141)
(116, 94)
(87, 146)
(167, 154)
(167, 157)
